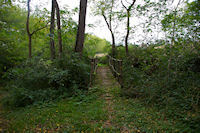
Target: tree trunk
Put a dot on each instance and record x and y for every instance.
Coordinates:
(30, 34)
(28, 30)
(52, 26)
(111, 31)
(81, 27)
(128, 9)
(113, 44)
(59, 28)
(128, 31)
(30, 46)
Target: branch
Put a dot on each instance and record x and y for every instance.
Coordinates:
(109, 27)
(124, 5)
(28, 17)
(111, 12)
(178, 4)
(129, 8)
(39, 29)
(131, 5)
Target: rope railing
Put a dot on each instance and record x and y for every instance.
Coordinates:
(93, 70)
(116, 68)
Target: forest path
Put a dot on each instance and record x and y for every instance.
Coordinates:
(128, 115)
(110, 87)
(104, 76)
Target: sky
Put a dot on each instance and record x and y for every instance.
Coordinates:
(100, 29)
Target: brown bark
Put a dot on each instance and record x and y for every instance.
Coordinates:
(109, 25)
(113, 44)
(27, 29)
(128, 31)
(59, 28)
(52, 27)
(81, 27)
(30, 46)
(128, 9)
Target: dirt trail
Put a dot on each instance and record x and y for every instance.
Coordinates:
(104, 75)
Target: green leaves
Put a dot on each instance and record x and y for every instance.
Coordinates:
(147, 76)
(40, 80)
(183, 22)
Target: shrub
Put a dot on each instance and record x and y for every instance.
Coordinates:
(147, 75)
(103, 60)
(39, 80)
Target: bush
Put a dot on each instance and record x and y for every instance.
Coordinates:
(173, 88)
(147, 75)
(103, 60)
(39, 80)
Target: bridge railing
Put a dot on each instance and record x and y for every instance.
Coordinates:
(116, 68)
(93, 70)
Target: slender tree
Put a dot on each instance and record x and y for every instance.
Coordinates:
(59, 28)
(106, 10)
(81, 27)
(28, 30)
(52, 27)
(128, 9)
(30, 34)
(173, 34)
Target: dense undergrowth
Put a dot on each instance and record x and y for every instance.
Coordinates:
(166, 78)
(88, 111)
(38, 80)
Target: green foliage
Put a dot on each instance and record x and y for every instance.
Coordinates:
(88, 112)
(186, 22)
(75, 114)
(165, 75)
(11, 36)
(94, 45)
(103, 60)
(172, 87)
(40, 80)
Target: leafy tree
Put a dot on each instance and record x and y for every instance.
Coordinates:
(186, 23)
(94, 44)
(59, 28)
(55, 7)
(30, 34)
(12, 38)
(128, 10)
(105, 8)
(52, 27)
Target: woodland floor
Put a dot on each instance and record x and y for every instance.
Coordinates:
(101, 109)
(3, 122)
